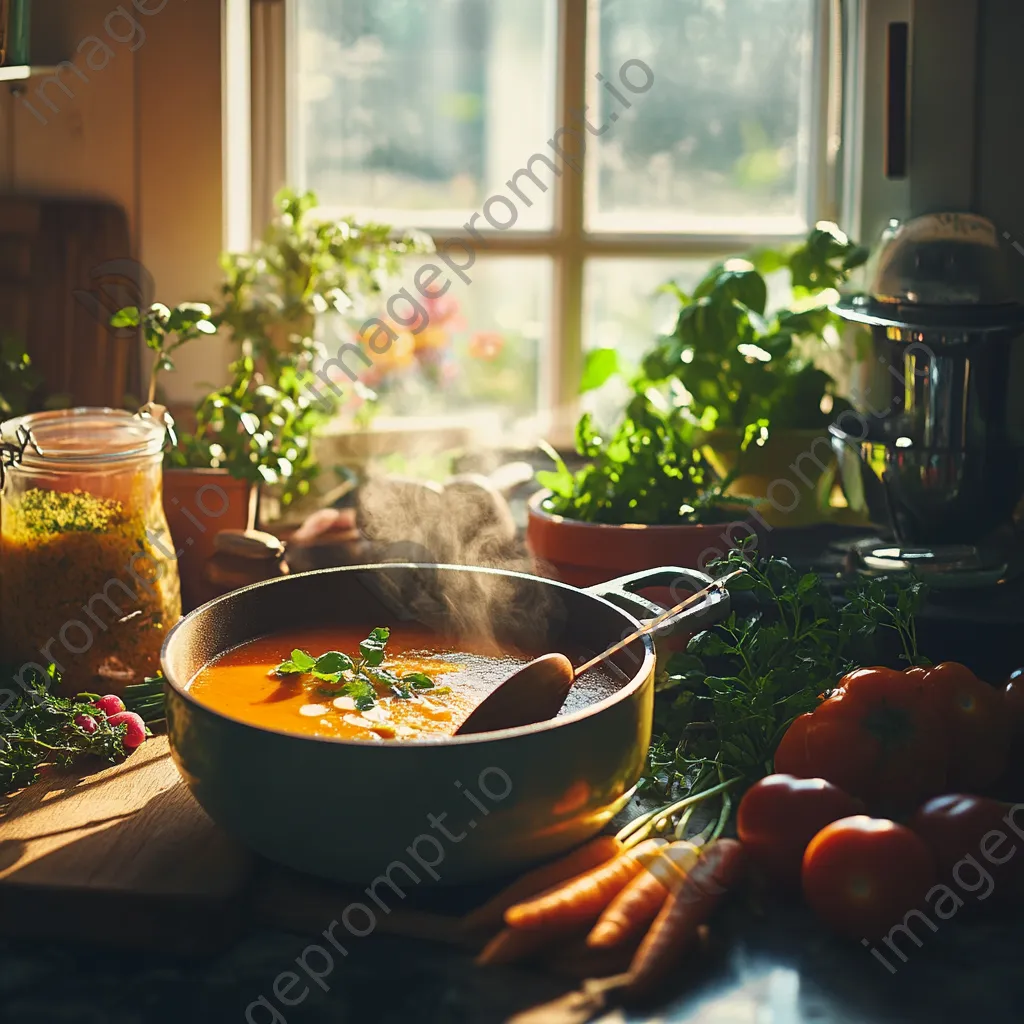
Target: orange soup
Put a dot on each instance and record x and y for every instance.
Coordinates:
(422, 687)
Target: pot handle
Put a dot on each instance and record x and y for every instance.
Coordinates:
(621, 592)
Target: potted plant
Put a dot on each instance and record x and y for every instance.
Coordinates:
(743, 364)
(260, 425)
(202, 501)
(647, 496)
(256, 431)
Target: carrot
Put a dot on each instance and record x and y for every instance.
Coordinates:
(633, 909)
(675, 929)
(581, 900)
(590, 855)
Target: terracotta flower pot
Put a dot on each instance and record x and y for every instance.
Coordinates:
(584, 554)
(793, 472)
(199, 503)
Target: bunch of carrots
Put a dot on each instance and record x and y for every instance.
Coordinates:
(625, 911)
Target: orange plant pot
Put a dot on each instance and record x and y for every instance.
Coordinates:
(199, 503)
(585, 554)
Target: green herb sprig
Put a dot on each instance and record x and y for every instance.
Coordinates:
(39, 729)
(723, 706)
(361, 679)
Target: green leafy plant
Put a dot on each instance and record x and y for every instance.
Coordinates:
(260, 425)
(648, 469)
(165, 331)
(362, 678)
(306, 266)
(255, 430)
(741, 363)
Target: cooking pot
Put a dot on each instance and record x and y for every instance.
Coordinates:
(438, 811)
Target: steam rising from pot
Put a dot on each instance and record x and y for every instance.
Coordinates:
(466, 522)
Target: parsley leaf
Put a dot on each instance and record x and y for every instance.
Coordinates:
(362, 691)
(304, 661)
(418, 680)
(372, 648)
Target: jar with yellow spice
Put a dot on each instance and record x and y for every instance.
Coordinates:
(88, 574)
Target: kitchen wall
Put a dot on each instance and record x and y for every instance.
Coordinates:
(139, 123)
(999, 153)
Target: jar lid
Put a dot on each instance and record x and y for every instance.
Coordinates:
(83, 436)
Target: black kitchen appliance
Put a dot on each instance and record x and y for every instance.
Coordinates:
(934, 446)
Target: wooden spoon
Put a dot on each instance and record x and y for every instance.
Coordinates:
(538, 690)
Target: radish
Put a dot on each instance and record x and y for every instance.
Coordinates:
(86, 723)
(135, 734)
(111, 704)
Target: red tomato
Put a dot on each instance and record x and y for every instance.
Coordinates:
(876, 737)
(791, 753)
(862, 875)
(956, 826)
(976, 724)
(780, 815)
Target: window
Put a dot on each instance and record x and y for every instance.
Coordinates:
(567, 157)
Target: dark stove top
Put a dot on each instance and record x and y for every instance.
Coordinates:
(980, 626)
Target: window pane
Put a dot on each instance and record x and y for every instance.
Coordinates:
(477, 356)
(416, 111)
(720, 141)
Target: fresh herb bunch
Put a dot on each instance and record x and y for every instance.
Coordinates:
(725, 703)
(39, 729)
(361, 679)
(741, 364)
(649, 470)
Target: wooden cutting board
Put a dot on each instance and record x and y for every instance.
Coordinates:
(125, 856)
(122, 854)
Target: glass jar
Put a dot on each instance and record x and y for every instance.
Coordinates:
(88, 574)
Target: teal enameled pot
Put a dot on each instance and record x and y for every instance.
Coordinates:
(445, 811)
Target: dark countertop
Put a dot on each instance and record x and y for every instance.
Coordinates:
(772, 967)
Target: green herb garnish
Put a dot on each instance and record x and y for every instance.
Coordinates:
(362, 692)
(362, 680)
(39, 729)
(372, 648)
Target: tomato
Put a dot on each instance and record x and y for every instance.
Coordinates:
(977, 727)
(780, 815)
(976, 724)
(791, 753)
(877, 737)
(956, 826)
(862, 875)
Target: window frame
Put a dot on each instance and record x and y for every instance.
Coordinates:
(568, 243)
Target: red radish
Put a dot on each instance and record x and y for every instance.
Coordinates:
(111, 704)
(86, 723)
(136, 731)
